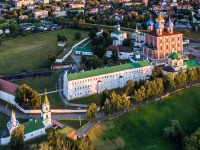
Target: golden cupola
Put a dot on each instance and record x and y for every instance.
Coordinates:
(160, 19)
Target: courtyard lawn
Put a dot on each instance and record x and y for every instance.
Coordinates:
(142, 128)
(31, 52)
(73, 123)
(49, 83)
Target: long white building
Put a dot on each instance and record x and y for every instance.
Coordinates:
(95, 81)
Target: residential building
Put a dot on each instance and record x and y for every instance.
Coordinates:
(40, 13)
(73, 6)
(161, 40)
(95, 81)
(124, 52)
(84, 51)
(118, 36)
(19, 3)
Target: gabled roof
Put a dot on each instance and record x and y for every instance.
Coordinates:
(107, 70)
(118, 32)
(33, 125)
(8, 87)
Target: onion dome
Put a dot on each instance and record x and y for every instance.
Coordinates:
(169, 23)
(158, 25)
(150, 22)
(160, 19)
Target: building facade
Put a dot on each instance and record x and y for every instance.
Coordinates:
(95, 81)
(161, 40)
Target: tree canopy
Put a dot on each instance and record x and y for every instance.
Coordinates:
(91, 112)
(17, 138)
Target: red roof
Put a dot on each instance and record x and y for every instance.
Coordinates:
(164, 33)
(8, 87)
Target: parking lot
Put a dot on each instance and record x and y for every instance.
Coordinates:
(190, 49)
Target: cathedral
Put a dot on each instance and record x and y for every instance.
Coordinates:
(32, 128)
(161, 39)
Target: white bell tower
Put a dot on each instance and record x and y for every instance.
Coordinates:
(46, 112)
(13, 123)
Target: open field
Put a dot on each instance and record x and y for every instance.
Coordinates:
(142, 128)
(31, 52)
(73, 123)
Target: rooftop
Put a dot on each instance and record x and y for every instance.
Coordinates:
(33, 125)
(191, 63)
(8, 87)
(164, 33)
(83, 49)
(107, 70)
(175, 55)
(118, 32)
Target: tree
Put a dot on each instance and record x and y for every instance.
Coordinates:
(139, 94)
(45, 146)
(126, 42)
(159, 86)
(191, 75)
(52, 57)
(17, 138)
(95, 41)
(186, 32)
(114, 55)
(99, 51)
(0, 41)
(180, 79)
(157, 73)
(125, 101)
(83, 59)
(198, 72)
(198, 28)
(107, 107)
(129, 88)
(107, 41)
(25, 94)
(77, 35)
(192, 142)
(92, 34)
(104, 96)
(173, 131)
(168, 81)
(105, 60)
(96, 62)
(91, 112)
(193, 28)
(105, 34)
(115, 101)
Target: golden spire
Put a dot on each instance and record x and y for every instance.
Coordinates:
(46, 101)
(160, 18)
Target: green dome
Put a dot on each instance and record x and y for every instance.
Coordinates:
(175, 55)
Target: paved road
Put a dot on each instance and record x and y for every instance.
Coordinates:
(191, 50)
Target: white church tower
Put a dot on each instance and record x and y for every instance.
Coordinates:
(45, 112)
(13, 123)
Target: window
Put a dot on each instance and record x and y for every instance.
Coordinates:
(178, 38)
(167, 46)
(31, 134)
(46, 116)
(160, 47)
(46, 108)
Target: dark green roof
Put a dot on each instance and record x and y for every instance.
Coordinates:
(118, 32)
(33, 125)
(191, 63)
(107, 70)
(83, 49)
(175, 55)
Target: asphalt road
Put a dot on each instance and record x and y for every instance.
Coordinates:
(191, 50)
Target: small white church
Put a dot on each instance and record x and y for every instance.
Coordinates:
(32, 128)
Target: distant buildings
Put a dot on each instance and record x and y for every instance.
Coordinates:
(40, 13)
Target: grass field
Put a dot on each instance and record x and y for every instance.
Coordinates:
(31, 52)
(73, 123)
(142, 128)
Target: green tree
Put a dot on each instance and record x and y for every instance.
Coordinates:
(78, 36)
(159, 86)
(129, 88)
(107, 107)
(34, 147)
(180, 79)
(45, 146)
(92, 34)
(17, 138)
(157, 73)
(91, 112)
(52, 57)
(115, 101)
(114, 55)
(105, 60)
(83, 59)
(168, 81)
(106, 34)
(126, 42)
(125, 101)
(25, 94)
(0, 41)
(104, 96)
(173, 131)
(96, 62)
(198, 28)
(107, 41)
(99, 50)
(192, 142)
(191, 75)
(198, 72)
(139, 94)
(15, 15)
(186, 32)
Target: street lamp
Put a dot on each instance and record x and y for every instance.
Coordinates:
(80, 120)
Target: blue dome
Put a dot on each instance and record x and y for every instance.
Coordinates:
(159, 25)
(150, 22)
(169, 23)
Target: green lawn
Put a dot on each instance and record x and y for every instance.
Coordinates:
(31, 52)
(74, 123)
(142, 128)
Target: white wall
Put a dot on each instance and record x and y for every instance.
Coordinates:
(34, 134)
(5, 141)
(7, 97)
(88, 86)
